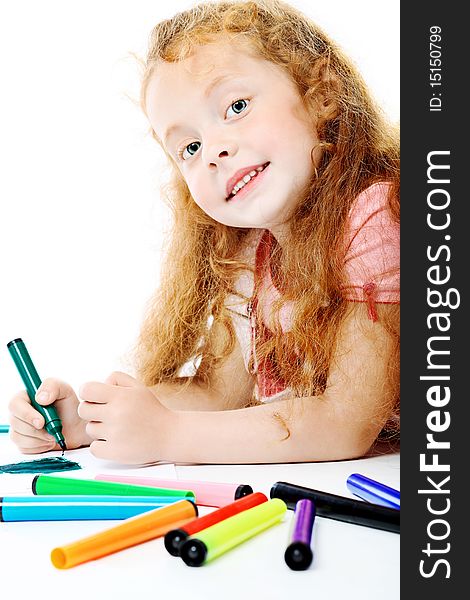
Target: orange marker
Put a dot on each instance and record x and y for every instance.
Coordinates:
(135, 530)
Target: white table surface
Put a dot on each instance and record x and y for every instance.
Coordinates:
(350, 561)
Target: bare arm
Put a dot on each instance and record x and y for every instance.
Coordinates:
(340, 424)
(230, 387)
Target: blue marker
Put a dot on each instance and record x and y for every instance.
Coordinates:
(4, 428)
(77, 508)
(373, 491)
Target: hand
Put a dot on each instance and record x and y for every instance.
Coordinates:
(27, 424)
(125, 419)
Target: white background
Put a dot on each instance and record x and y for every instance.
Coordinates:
(81, 221)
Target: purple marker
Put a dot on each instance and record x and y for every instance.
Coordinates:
(373, 491)
(298, 554)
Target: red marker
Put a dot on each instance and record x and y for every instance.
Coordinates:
(175, 537)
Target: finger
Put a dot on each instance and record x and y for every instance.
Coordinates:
(30, 443)
(91, 411)
(20, 408)
(52, 389)
(95, 430)
(22, 428)
(100, 449)
(38, 449)
(122, 379)
(94, 391)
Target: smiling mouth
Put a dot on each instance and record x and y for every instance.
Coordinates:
(245, 180)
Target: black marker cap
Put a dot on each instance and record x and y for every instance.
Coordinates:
(33, 485)
(298, 556)
(340, 508)
(243, 490)
(193, 552)
(174, 539)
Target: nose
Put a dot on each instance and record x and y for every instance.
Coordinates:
(218, 149)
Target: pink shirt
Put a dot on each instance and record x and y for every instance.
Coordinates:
(372, 259)
(372, 271)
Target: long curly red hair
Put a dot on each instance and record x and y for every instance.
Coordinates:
(359, 147)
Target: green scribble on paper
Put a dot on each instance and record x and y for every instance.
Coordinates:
(41, 465)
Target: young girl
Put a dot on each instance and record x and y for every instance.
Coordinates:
(280, 289)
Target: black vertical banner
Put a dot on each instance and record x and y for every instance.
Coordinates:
(434, 277)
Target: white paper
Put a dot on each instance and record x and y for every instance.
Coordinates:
(20, 484)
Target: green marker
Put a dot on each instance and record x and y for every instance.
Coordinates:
(58, 486)
(31, 380)
(217, 539)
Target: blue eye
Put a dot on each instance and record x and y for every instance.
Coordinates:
(190, 150)
(237, 107)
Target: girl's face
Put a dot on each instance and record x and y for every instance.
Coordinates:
(236, 128)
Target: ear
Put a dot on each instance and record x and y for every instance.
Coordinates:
(327, 90)
(328, 93)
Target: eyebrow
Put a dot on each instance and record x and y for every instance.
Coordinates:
(215, 82)
(207, 92)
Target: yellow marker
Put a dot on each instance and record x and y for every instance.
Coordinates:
(217, 539)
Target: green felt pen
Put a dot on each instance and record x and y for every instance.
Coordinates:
(31, 380)
(217, 539)
(43, 485)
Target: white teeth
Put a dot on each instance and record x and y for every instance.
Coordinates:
(240, 184)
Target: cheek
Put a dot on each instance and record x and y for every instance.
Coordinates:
(265, 133)
(289, 136)
(201, 192)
